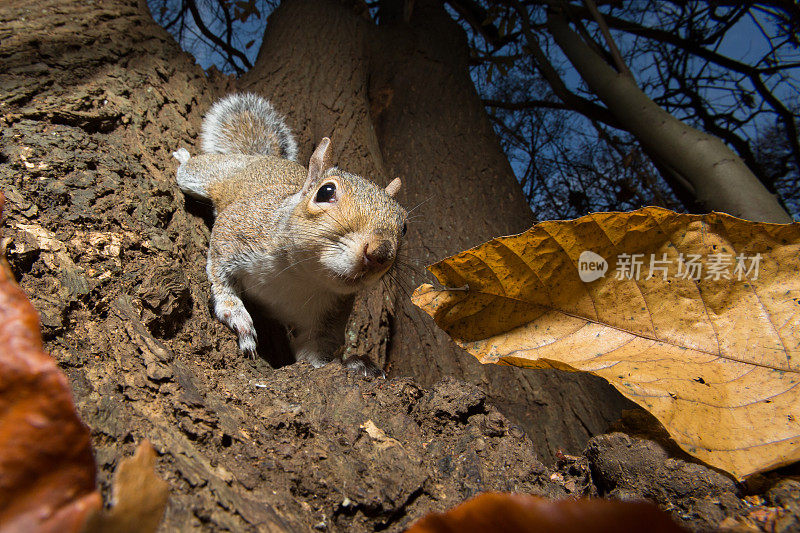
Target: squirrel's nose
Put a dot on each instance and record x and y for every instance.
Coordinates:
(378, 253)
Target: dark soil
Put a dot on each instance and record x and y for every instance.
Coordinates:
(100, 239)
(248, 447)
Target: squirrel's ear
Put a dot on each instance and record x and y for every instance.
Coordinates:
(393, 187)
(318, 163)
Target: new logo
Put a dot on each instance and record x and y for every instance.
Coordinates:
(591, 266)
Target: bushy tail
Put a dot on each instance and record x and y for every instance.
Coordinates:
(247, 124)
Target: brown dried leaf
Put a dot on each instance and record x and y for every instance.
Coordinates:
(46, 465)
(715, 359)
(139, 496)
(520, 513)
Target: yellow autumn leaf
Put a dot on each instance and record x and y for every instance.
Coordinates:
(139, 496)
(695, 318)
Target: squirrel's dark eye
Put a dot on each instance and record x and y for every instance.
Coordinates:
(405, 228)
(326, 193)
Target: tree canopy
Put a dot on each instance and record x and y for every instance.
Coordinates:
(731, 69)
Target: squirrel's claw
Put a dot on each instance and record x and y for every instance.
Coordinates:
(247, 344)
(233, 314)
(364, 365)
(247, 340)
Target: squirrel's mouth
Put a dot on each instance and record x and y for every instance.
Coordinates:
(362, 278)
(348, 284)
(353, 282)
(358, 261)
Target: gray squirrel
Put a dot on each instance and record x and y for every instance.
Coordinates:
(298, 242)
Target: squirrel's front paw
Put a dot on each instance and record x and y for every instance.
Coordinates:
(364, 365)
(238, 319)
(247, 344)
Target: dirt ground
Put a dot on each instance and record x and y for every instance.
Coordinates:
(100, 239)
(248, 447)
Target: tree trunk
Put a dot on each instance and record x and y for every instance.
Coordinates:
(719, 178)
(397, 100)
(95, 98)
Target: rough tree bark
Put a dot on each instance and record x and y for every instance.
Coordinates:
(94, 99)
(397, 100)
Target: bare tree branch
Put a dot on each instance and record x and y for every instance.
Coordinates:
(208, 34)
(786, 117)
(622, 68)
(475, 15)
(549, 73)
(721, 180)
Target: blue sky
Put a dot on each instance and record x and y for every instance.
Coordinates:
(745, 42)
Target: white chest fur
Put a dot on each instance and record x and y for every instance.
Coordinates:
(289, 293)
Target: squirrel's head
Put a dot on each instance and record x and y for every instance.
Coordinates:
(354, 226)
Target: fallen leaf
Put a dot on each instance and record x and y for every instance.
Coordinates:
(521, 513)
(139, 496)
(46, 466)
(712, 353)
